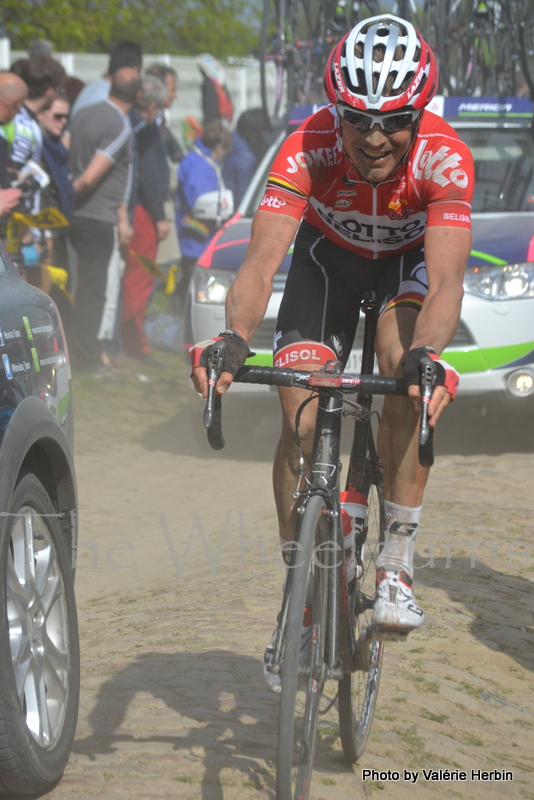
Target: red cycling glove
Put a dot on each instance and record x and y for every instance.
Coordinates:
(235, 351)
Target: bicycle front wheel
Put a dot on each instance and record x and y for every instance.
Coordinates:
(358, 691)
(302, 669)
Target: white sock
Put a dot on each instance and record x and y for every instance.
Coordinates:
(402, 523)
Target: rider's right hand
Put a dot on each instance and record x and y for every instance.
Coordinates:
(234, 352)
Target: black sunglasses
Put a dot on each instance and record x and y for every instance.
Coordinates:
(60, 116)
(390, 123)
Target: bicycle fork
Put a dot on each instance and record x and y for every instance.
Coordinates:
(328, 553)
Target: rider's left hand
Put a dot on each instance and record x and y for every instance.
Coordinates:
(446, 381)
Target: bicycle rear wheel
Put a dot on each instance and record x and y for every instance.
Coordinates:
(273, 60)
(358, 690)
(310, 46)
(300, 699)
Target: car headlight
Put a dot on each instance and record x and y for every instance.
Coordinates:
(211, 285)
(509, 282)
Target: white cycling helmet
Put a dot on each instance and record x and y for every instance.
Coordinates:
(382, 64)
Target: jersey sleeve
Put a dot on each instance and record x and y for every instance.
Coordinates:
(446, 172)
(23, 146)
(289, 183)
(114, 136)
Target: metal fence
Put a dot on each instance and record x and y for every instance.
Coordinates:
(242, 79)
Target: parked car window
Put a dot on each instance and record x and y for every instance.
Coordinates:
(504, 168)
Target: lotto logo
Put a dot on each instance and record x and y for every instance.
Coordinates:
(442, 167)
(272, 202)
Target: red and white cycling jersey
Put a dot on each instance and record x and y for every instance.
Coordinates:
(312, 177)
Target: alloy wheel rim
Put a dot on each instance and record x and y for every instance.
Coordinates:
(38, 626)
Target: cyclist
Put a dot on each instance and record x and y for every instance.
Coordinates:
(383, 188)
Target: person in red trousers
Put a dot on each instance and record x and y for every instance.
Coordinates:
(149, 225)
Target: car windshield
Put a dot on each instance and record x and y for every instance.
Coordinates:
(504, 168)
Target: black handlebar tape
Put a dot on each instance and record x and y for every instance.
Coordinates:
(215, 435)
(374, 384)
(265, 375)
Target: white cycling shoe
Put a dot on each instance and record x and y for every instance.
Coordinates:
(395, 608)
(273, 680)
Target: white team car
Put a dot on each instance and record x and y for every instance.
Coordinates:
(493, 349)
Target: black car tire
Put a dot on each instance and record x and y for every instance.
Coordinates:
(39, 647)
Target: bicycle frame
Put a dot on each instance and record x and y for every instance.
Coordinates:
(344, 642)
(324, 480)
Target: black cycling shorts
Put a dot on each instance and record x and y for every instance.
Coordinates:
(319, 312)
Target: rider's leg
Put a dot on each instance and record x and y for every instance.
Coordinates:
(286, 459)
(404, 480)
(404, 477)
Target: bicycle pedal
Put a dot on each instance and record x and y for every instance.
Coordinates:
(375, 634)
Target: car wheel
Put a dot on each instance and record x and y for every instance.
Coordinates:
(39, 648)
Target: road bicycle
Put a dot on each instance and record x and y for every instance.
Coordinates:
(483, 48)
(345, 647)
(295, 41)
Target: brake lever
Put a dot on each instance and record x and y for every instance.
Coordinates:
(426, 433)
(213, 410)
(214, 372)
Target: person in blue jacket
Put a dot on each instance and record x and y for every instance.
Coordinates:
(249, 147)
(203, 202)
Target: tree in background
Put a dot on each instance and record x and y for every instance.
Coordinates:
(160, 26)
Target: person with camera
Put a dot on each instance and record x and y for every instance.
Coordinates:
(24, 138)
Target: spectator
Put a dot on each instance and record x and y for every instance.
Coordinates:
(60, 192)
(13, 92)
(216, 100)
(100, 161)
(150, 225)
(124, 55)
(72, 88)
(41, 48)
(42, 76)
(240, 163)
(202, 200)
(169, 76)
(251, 126)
